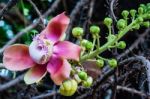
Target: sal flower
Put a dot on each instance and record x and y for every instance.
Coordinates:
(46, 53)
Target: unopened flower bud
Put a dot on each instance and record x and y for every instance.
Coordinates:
(94, 29)
(133, 12)
(112, 63)
(125, 14)
(140, 10)
(146, 24)
(136, 27)
(139, 19)
(121, 45)
(82, 75)
(77, 32)
(88, 82)
(100, 63)
(87, 44)
(108, 21)
(121, 24)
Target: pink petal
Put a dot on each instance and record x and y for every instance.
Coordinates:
(56, 27)
(35, 74)
(59, 69)
(67, 50)
(16, 57)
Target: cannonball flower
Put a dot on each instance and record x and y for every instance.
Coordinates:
(46, 53)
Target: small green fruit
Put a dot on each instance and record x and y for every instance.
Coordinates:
(82, 75)
(94, 29)
(121, 45)
(112, 63)
(100, 63)
(77, 32)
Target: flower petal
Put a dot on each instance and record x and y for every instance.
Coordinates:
(67, 50)
(59, 69)
(16, 57)
(56, 27)
(35, 74)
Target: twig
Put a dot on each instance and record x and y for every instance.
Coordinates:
(98, 82)
(11, 83)
(37, 11)
(112, 9)
(45, 95)
(31, 26)
(132, 91)
(9, 5)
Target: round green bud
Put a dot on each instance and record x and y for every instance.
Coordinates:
(136, 27)
(108, 21)
(82, 75)
(140, 10)
(111, 37)
(77, 32)
(68, 87)
(139, 19)
(146, 24)
(121, 24)
(100, 63)
(121, 45)
(94, 29)
(88, 82)
(112, 63)
(132, 12)
(83, 42)
(125, 13)
(88, 45)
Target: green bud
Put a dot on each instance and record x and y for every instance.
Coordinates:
(133, 12)
(111, 37)
(108, 21)
(100, 63)
(88, 82)
(83, 42)
(88, 45)
(148, 16)
(139, 19)
(121, 45)
(94, 29)
(82, 75)
(77, 32)
(121, 24)
(136, 27)
(146, 24)
(140, 10)
(112, 63)
(68, 87)
(125, 14)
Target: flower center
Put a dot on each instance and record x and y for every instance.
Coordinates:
(41, 49)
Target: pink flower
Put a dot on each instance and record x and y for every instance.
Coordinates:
(46, 53)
